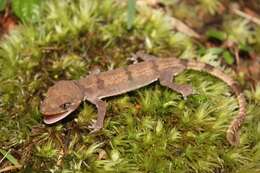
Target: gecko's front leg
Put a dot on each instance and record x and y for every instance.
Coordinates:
(101, 108)
(166, 77)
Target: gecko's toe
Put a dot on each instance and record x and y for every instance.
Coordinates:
(186, 91)
(94, 131)
(133, 59)
(94, 127)
(93, 121)
(92, 124)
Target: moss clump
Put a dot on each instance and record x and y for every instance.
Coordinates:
(149, 130)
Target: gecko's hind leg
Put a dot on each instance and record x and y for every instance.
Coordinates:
(101, 107)
(166, 80)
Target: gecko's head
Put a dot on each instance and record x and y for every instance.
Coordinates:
(61, 99)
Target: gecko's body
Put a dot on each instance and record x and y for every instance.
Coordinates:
(65, 96)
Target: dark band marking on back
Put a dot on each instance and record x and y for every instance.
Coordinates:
(100, 83)
(155, 67)
(184, 62)
(209, 67)
(235, 86)
(128, 73)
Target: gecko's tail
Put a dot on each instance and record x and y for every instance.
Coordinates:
(233, 129)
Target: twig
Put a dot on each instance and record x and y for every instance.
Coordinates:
(176, 23)
(182, 27)
(247, 16)
(237, 56)
(10, 168)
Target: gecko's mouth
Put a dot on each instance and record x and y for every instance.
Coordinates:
(50, 119)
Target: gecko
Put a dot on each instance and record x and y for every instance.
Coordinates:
(65, 96)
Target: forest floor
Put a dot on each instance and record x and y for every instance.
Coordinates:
(152, 129)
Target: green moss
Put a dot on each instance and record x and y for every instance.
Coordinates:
(152, 129)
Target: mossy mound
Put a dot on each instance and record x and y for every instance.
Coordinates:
(149, 130)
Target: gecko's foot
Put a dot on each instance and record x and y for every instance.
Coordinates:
(186, 90)
(95, 130)
(140, 55)
(233, 138)
(94, 127)
(133, 59)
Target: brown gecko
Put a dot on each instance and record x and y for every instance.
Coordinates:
(65, 96)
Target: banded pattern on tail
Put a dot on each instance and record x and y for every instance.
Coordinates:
(232, 134)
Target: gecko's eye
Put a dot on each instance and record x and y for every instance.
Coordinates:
(65, 106)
